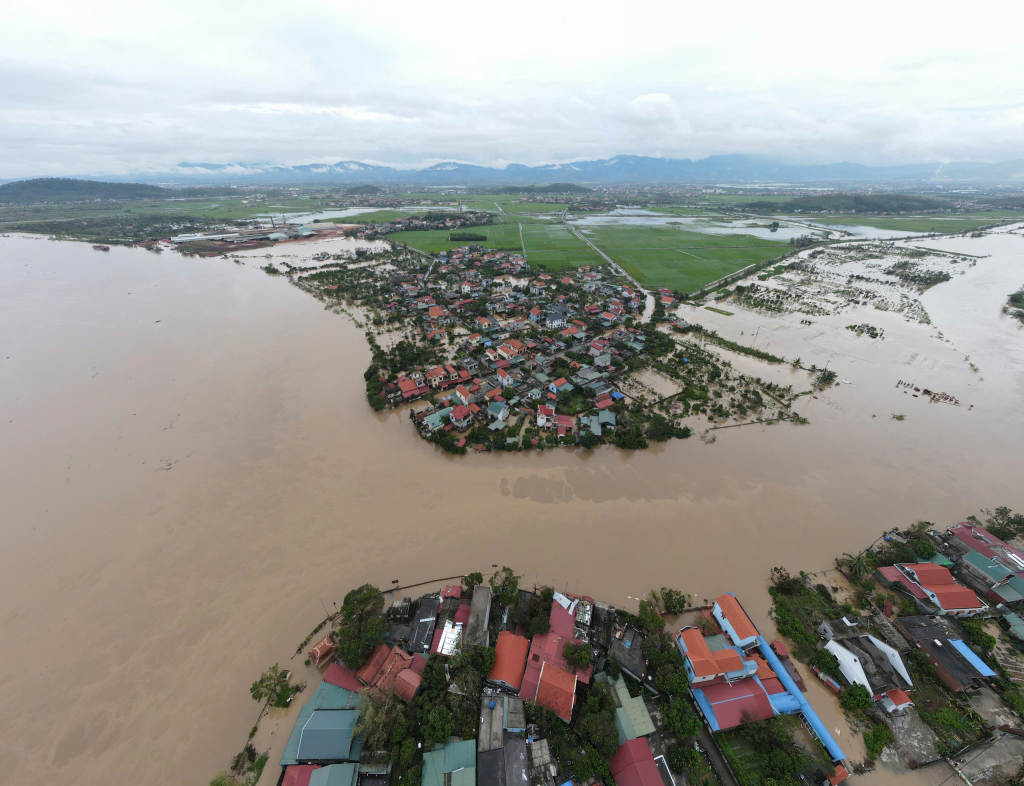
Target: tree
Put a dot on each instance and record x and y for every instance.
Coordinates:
(588, 440)
(924, 548)
(681, 720)
(225, 779)
(650, 618)
(439, 725)
(677, 758)
(470, 581)
(540, 625)
(827, 662)
(599, 730)
(271, 684)
(505, 586)
(660, 429)
(671, 680)
(858, 566)
(380, 715)
(360, 625)
(674, 601)
(578, 655)
(856, 699)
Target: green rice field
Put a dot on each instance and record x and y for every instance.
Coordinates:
(548, 244)
(667, 256)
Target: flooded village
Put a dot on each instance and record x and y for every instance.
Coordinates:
(256, 454)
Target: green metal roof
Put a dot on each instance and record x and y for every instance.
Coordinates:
(624, 726)
(457, 758)
(335, 775)
(631, 718)
(326, 697)
(327, 735)
(1016, 623)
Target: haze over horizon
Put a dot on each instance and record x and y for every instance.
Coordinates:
(110, 89)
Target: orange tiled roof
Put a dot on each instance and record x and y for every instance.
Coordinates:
(557, 690)
(737, 617)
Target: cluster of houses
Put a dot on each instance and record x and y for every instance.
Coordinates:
(734, 676)
(450, 220)
(521, 346)
(973, 574)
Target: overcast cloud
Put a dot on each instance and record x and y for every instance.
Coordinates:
(109, 87)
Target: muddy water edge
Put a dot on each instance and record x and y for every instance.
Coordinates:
(188, 467)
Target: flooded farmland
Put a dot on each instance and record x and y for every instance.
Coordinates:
(189, 469)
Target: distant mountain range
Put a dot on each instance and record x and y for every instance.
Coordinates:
(732, 169)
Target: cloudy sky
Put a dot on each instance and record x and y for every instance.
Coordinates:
(110, 87)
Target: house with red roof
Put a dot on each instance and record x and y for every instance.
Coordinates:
(734, 621)
(556, 690)
(934, 589)
(392, 669)
(510, 654)
(461, 417)
(634, 765)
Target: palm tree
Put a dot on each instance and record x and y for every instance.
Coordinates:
(858, 566)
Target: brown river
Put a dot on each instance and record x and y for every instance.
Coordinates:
(188, 469)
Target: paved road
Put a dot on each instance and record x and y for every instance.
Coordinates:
(649, 306)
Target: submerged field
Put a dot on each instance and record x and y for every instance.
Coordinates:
(923, 224)
(667, 256)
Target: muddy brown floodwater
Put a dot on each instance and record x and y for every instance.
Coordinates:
(188, 466)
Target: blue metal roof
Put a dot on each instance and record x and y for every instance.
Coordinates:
(972, 658)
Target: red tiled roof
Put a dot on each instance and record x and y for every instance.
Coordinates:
(930, 575)
(460, 412)
(373, 664)
(557, 690)
(605, 403)
(452, 591)
(899, 697)
(381, 672)
(509, 659)
(322, 650)
(419, 663)
(956, 598)
(406, 684)
(462, 614)
(634, 765)
(341, 676)
(736, 616)
(706, 663)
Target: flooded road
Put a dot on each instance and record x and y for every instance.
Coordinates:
(188, 467)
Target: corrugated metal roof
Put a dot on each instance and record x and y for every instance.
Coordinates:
(335, 775)
(326, 697)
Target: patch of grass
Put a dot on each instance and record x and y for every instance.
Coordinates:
(677, 258)
(374, 217)
(547, 244)
(720, 311)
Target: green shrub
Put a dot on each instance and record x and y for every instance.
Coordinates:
(856, 699)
